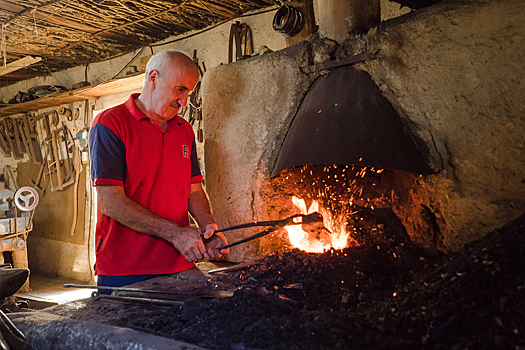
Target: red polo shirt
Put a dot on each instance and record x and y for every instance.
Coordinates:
(156, 169)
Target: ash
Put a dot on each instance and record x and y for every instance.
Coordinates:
(383, 294)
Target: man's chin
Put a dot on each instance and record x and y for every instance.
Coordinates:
(170, 116)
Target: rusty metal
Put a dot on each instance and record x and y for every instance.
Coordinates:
(213, 294)
(340, 62)
(345, 119)
(97, 296)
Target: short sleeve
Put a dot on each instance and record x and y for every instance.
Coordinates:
(108, 156)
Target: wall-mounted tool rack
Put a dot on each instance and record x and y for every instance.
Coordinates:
(110, 87)
(18, 137)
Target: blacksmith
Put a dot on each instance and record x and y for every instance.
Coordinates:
(146, 173)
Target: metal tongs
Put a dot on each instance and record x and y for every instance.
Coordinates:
(297, 219)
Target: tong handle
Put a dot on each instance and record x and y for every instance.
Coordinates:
(247, 239)
(252, 224)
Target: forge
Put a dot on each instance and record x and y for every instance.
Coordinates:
(408, 139)
(446, 136)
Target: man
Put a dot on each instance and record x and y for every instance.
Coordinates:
(145, 169)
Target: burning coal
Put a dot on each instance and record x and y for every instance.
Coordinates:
(332, 235)
(337, 193)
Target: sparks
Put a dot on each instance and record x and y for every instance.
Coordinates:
(336, 238)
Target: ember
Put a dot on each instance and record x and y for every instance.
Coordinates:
(337, 192)
(332, 235)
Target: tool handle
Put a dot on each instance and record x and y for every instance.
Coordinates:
(250, 224)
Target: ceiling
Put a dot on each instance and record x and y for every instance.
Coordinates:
(67, 33)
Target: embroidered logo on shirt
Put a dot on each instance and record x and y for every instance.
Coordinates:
(185, 151)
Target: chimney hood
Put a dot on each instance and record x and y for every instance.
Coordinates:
(344, 119)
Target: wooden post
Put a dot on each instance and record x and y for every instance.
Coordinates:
(306, 7)
(20, 261)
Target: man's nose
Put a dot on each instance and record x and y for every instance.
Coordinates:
(183, 100)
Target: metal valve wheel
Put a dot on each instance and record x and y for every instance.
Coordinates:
(26, 198)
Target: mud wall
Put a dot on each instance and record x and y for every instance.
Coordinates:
(452, 71)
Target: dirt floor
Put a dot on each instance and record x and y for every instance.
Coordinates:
(383, 294)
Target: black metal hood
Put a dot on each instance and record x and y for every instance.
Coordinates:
(344, 119)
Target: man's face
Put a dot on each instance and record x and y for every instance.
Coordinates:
(171, 89)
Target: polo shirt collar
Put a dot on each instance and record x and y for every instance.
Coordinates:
(137, 113)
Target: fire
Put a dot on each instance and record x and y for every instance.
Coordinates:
(336, 238)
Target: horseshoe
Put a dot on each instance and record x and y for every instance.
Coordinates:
(23, 199)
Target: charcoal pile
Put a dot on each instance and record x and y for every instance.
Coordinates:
(382, 294)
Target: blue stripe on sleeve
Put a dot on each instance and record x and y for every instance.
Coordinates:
(195, 169)
(107, 153)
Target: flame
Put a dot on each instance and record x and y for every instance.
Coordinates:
(337, 238)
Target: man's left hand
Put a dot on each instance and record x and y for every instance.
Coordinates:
(209, 230)
(213, 241)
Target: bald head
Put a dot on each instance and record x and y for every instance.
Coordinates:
(170, 77)
(164, 61)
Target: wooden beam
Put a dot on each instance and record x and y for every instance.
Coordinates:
(111, 87)
(18, 64)
(18, 11)
(21, 10)
(10, 7)
(18, 49)
(112, 29)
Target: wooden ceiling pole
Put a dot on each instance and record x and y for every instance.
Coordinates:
(50, 18)
(18, 64)
(100, 32)
(24, 10)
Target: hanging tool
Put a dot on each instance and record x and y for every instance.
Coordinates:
(4, 146)
(13, 138)
(29, 129)
(78, 169)
(37, 184)
(54, 163)
(241, 35)
(298, 219)
(66, 112)
(63, 180)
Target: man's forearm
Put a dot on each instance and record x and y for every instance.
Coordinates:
(199, 206)
(115, 204)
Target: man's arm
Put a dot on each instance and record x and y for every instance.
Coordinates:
(199, 207)
(114, 203)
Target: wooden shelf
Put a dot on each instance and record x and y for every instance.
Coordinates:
(89, 92)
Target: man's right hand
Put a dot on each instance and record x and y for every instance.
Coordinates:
(190, 244)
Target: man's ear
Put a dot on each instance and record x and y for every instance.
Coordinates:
(153, 77)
